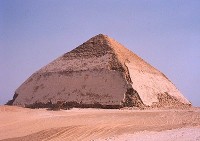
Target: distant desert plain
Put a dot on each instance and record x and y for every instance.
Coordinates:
(23, 124)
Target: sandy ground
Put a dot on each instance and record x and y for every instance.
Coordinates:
(183, 134)
(21, 124)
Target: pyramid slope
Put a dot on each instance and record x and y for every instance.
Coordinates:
(99, 71)
(146, 80)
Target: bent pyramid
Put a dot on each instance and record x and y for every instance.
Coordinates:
(101, 71)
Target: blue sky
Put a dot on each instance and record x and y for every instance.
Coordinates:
(165, 33)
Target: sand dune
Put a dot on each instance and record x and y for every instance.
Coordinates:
(18, 124)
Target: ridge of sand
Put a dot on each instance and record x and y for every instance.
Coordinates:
(181, 134)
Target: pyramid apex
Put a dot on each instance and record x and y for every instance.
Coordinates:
(101, 36)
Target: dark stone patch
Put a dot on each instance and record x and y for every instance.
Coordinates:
(168, 101)
(132, 99)
(10, 102)
(116, 65)
(35, 89)
(68, 105)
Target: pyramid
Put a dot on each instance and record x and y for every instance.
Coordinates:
(102, 72)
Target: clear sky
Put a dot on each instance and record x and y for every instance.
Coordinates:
(165, 33)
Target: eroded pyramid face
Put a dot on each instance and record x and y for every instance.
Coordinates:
(99, 72)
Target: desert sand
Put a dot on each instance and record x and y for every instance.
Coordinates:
(183, 134)
(23, 124)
